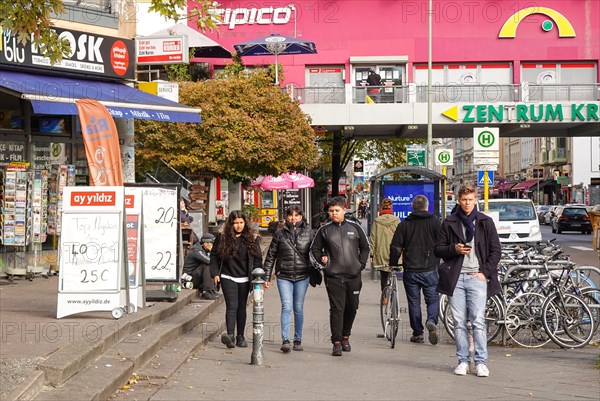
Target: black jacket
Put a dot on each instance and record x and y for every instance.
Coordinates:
(346, 246)
(239, 264)
(414, 240)
(196, 257)
(487, 249)
(289, 264)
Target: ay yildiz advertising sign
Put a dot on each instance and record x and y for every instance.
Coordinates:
(402, 194)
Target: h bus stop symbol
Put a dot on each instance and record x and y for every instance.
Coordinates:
(486, 139)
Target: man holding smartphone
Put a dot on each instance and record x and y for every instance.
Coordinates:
(470, 248)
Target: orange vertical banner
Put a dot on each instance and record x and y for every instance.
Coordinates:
(101, 141)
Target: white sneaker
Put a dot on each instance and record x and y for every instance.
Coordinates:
(482, 370)
(462, 369)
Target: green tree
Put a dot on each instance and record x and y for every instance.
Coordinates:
(391, 152)
(250, 128)
(32, 20)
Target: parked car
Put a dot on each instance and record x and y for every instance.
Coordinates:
(550, 214)
(516, 221)
(571, 218)
(541, 211)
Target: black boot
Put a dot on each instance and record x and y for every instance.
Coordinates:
(240, 341)
(227, 339)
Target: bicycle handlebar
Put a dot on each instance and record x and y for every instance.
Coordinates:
(385, 267)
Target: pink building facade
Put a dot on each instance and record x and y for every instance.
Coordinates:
(529, 69)
(463, 32)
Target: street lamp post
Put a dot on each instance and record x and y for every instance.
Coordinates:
(429, 77)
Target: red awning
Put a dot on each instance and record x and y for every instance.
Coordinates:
(524, 186)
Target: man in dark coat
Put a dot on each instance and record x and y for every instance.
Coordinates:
(470, 248)
(414, 240)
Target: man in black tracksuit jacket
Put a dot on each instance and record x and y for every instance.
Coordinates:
(341, 248)
(414, 240)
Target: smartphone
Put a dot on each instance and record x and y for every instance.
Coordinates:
(467, 247)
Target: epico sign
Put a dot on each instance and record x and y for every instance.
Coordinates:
(250, 16)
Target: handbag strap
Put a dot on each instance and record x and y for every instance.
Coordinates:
(286, 239)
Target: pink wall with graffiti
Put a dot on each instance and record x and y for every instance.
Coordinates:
(463, 31)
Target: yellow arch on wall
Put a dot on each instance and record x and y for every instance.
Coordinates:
(509, 29)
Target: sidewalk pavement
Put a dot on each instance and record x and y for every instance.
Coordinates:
(37, 349)
(372, 370)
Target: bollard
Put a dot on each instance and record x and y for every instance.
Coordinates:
(258, 316)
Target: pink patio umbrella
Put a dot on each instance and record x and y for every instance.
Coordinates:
(283, 181)
(270, 183)
(299, 181)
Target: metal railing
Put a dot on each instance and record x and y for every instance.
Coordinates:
(560, 92)
(318, 94)
(487, 93)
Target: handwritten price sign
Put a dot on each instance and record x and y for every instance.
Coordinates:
(160, 233)
(89, 253)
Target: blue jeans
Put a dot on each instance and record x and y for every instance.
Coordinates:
(414, 282)
(470, 296)
(292, 297)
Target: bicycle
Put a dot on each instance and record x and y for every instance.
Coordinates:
(389, 304)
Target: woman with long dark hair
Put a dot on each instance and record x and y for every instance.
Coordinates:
(288, 253)
(237, 254)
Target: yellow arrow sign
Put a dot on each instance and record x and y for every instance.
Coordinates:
(451, 113)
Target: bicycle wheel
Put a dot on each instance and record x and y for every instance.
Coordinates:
(393, 317)
(591, 296)
(494, 312)
(568, 320)
(385, 311)
(447, 318)
(523, 320)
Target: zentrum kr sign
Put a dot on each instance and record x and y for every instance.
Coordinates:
(524, 112)
(251, 16)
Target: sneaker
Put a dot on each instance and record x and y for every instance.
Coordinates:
(482, 370)
(227, 339)
(433, 337)
(417, 339)
(240, 341)
(462, 369)
(298, 345)
(285, 347)
(346, 344)
(337, 349)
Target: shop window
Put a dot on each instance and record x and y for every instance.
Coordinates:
(52, 125)
(11, 117)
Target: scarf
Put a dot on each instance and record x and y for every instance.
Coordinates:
(386, 211)
(469, 223)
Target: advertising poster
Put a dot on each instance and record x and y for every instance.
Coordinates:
(403, 193)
